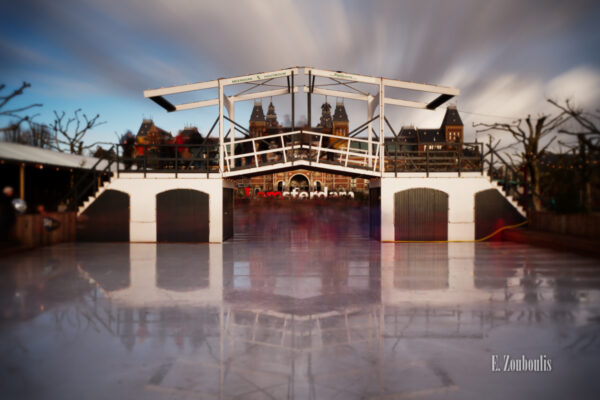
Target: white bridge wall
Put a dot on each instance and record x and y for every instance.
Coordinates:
(142, 191)
(461, 200)
(142, 200)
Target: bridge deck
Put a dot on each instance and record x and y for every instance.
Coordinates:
(305, 149)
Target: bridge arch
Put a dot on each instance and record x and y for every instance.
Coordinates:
(182, 215)
(421, 214)
(299, 180)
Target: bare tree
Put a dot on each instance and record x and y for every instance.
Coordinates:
(11, 131)
(528, 134)
(588, 140)
(71, 131)
(39, 135)
(589, 124)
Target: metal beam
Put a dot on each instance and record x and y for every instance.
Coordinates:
(164, 103)
(212, 127)
(258, 77)
(438, 101)
(258, 95)
(181, 88)
(405, 103)
(227, 100)
(196, 104)
(363, 125)
(390, 126)
(215, 83)
(236, 124)
(420, 86)
(338, 93)
(342, 75)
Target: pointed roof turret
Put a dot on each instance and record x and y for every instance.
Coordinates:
(258, 114)
(325, 122)
(340, 114)
(452, 117)
(271, 117)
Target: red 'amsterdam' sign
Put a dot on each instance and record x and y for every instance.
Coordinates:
(295, 193)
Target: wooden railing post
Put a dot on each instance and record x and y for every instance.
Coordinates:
(396, 159)
(427, 160)
(460, 148)
(176, 161)
(293, 151)
(118, 162)
(309, 150)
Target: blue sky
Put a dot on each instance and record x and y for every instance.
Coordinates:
(505, 56)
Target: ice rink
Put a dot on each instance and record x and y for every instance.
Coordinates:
(299, 305)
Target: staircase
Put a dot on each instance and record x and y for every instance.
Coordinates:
(90, 199)
(89, 182)
(509, 198)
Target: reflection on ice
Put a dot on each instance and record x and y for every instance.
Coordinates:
(311, 319)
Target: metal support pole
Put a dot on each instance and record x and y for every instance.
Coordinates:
(319, 149)
(308, 100)
(370, 134)
(255, 155)
(381, 127)
(481, 157)
(491, 163)
(284, 150)
(232, 133)
(347, 152)
(221, 138)
(293, 104)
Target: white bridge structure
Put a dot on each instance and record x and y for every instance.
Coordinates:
(441, 194)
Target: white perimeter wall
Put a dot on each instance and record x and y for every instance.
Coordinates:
(461, 201)
(142, 201)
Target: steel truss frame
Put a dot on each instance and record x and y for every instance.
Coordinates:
(336, 78)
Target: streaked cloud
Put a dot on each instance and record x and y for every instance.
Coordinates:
(505, 56)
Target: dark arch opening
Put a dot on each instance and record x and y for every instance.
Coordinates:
(106, 219)
(299, 182)
(493, 211)
(421, 214)
(182, 215)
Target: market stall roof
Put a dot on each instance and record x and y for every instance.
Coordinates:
(29, 154)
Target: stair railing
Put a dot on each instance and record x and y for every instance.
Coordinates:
(89, 180)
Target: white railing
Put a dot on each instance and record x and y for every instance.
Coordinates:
(301, 145)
